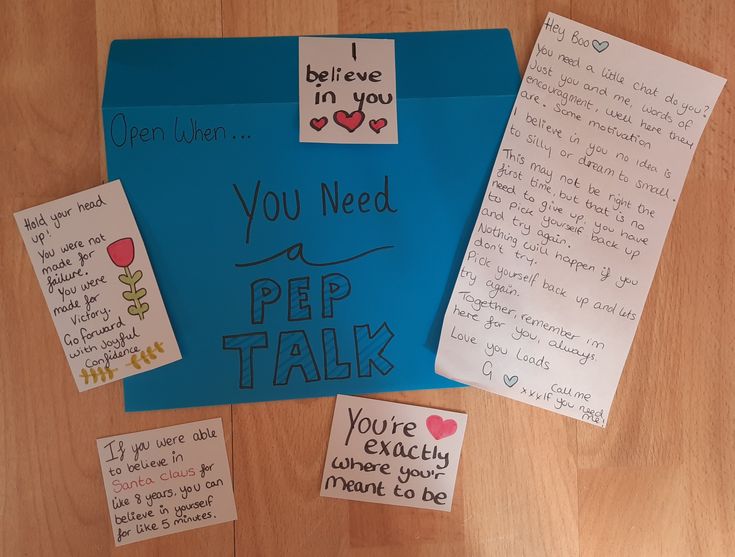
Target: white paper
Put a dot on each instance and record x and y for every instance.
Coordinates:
(562, 255)
(395, 454)
(347, 90)
(82, 248)
(166, 480)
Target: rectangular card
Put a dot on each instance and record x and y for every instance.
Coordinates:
(347, 90)
(98, 283)
(166, 480)
(561, 258)
(395, 454)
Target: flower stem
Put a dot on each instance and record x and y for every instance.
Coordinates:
(134, 290)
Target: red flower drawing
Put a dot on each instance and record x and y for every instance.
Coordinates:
(122, 252)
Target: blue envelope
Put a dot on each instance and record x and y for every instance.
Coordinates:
(294, 270)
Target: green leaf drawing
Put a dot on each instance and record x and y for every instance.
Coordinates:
(129, 279)
(137, 295)
(134, 295)
(138, 310)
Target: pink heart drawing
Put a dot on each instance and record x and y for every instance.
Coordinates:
(440, 428)
(377, 125)
(350, 121)
(318, 123)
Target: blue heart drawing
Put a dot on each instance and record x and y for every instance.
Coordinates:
(600, 46)
(510, 381)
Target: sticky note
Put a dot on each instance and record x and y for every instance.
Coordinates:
(395, 454)
(347, 90)
(99, 285)
(166, 480)
(591, 166)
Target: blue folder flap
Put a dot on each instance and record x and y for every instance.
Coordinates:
(340, 282)
(155, 72)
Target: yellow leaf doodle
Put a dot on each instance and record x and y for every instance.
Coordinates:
(93, 374)
(146, 355)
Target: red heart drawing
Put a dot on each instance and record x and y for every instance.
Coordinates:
(350, 121)
(377, 125)
(440, 428)
(318, 123)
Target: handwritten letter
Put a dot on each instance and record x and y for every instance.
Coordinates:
(99, 285)
(395, 454)
(579, 202)
(166, 480)
(347, 90)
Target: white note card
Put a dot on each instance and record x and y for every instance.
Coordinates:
(166, 480)
(566, 244)
(395, 454)
(99, 285)
(347, 90)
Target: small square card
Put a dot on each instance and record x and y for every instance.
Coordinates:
(347, 90)
(166, 480)
(99, 285)
(396, 454)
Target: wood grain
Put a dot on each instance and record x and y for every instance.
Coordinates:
(658, 481)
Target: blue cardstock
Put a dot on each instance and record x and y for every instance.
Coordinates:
(295, 270)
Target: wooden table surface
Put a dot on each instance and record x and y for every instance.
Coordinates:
(660, 480)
